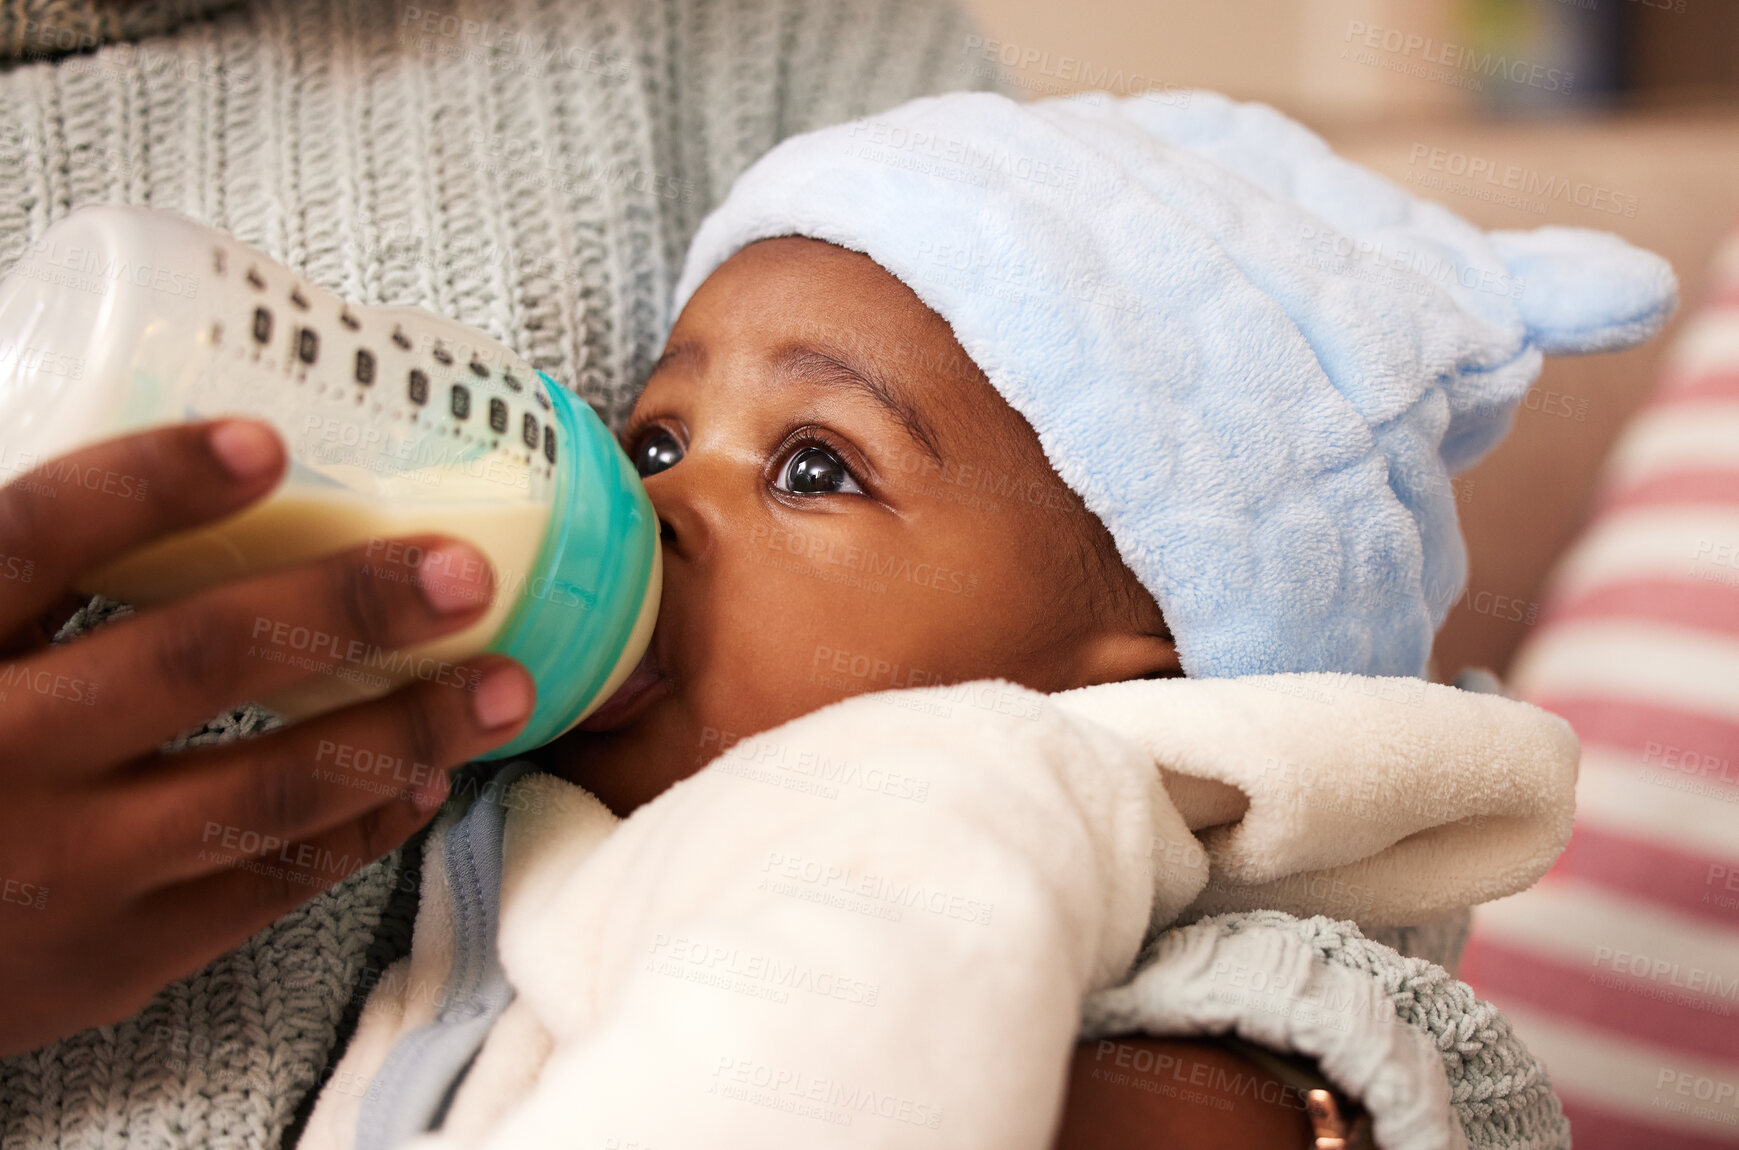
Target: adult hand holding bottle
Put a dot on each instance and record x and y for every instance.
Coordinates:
(123, 868)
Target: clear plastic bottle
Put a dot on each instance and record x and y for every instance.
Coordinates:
(396, 421)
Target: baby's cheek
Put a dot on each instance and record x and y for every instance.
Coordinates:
(805, 615)
(758, 670)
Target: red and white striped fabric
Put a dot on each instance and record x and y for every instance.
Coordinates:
(1621, 968)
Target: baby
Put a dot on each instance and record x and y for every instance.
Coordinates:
(1019, 406)
(847, 506)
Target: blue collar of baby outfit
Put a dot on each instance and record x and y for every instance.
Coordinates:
(410, 1092)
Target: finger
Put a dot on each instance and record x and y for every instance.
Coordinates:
(76, 512)
(167, 669)
(173, 931)
(206, 810)
(40, 631)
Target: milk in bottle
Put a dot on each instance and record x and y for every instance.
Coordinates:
(396, 422)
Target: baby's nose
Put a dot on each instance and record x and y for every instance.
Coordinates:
(684, 509)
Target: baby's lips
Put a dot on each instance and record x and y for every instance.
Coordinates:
(637, 692)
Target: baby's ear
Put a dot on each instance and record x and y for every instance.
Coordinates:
(1583, 291)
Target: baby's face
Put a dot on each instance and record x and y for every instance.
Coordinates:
(847, 506)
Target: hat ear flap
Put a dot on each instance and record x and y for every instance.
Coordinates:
(1584, 291)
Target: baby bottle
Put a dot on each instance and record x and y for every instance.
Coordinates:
(396, 421)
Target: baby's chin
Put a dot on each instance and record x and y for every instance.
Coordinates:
(637, 758)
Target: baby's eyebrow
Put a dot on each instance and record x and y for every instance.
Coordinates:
(683, 352)
(838, 368)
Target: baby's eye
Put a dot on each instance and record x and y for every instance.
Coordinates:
(817, 471)
(656, 452)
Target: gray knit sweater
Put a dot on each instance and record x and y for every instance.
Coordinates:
(534, 168)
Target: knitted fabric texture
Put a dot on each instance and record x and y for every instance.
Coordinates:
(41, 28)
(1499, 1092)
(532, 168)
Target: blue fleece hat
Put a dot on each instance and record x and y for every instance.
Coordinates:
(1257, 363)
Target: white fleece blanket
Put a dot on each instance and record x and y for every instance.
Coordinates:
(874, 926)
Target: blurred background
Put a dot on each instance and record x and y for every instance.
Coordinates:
(1603, 534)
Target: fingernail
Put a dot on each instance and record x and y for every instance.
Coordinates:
(246, 449)
(454, 578)
(503, 697)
